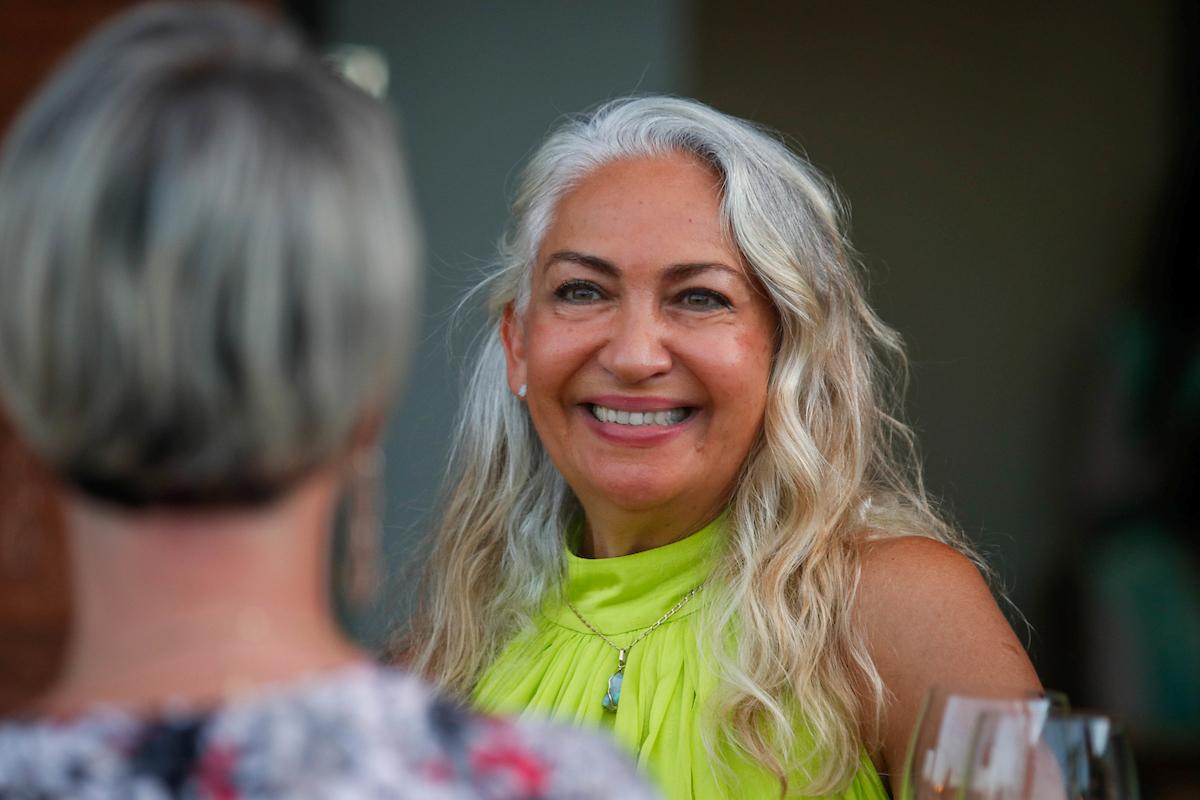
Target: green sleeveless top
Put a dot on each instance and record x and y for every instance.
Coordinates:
(560, 669)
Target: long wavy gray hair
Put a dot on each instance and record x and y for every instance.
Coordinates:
(833, 464)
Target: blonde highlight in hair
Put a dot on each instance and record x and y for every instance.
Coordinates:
(833, 465)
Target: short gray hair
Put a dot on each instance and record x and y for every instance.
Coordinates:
(208, 260)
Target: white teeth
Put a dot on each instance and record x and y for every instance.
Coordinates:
(668, 417)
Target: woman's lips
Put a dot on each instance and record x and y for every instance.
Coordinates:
(643, 418)
(637, 421)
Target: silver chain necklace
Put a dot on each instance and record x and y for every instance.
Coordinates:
(613, 696)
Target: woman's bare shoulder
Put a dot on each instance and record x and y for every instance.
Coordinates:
(897, 560)
(922, 601)
(906, 575)
(930, 619)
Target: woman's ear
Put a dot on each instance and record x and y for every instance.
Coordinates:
(512, 336)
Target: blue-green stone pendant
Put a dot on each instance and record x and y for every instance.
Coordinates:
(613, 696)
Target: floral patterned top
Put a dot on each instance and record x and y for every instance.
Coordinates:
(359, 732)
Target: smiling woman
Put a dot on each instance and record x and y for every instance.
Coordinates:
(683, 506)
(646, 348)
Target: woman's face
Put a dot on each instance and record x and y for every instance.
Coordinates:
(646, 345)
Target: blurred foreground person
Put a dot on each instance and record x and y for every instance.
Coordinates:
(208, 268)
(683, 507)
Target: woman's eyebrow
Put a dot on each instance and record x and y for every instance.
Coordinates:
(682, 272)
(673, 274)
(584, 260)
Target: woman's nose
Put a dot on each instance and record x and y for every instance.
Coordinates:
(637, 347)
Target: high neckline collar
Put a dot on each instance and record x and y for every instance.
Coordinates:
(628, 593)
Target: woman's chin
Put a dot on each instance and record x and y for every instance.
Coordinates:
(631, 494)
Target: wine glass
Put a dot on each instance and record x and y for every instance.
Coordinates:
(938, 751)
(1058, 756)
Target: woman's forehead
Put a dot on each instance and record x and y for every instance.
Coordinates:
(666, 209)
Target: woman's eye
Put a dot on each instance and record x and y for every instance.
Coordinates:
(578, 292)
(704, 300)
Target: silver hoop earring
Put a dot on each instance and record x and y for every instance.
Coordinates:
(522, 391)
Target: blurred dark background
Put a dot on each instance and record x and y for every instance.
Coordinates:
(1023, 185)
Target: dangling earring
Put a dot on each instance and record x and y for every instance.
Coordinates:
(361, 565)
(521, 392)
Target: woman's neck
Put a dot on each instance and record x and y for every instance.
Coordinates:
(610, 531)
(196, 606)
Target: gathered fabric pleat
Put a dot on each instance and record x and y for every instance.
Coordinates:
(559, 669)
